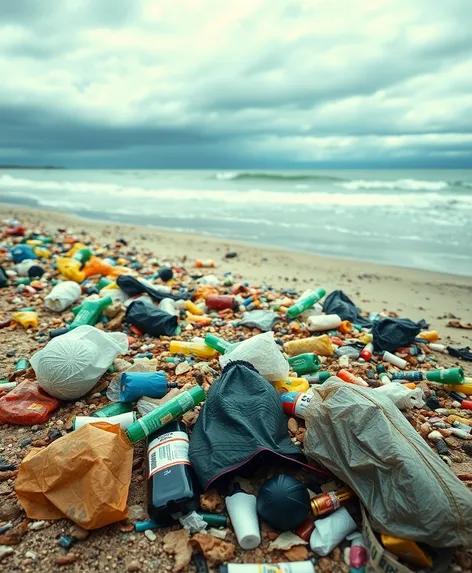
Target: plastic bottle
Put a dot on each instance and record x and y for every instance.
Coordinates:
(193, 308)
(437, 347)
(82, 255)
(70, 269)
(331, 501)
(463, 388)
(292, 567)
(429, 335)
(42, 252)
(305, 363)
(172, 488)
(446, 376)
(124, 420)
(135, 385)
(351, 378)
(20, 253)
(407, 549)
(242, 511)
(26, 318)
(295, 404)
(395, 360)
(113, 410)
(199, 349)
(318, 378)
(306, 303)
(165, 413)
(384, 378)
(320, 345)
(205, 263)
(409, 375)
(62, 296)
(292, 384)
(218, 343)
(366, 353)
(90, 312)
(221, 302)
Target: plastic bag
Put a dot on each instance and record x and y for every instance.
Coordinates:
(408, 490)
(133, 287)
(26, 404)
(402, 396)
(391, 333)
(62, 296)
(150, 319)
(70, 365)
(263, 353)
(83, 476)
(339, 303)
(330, 531)
(262, 319)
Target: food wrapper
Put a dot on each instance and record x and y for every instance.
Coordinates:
(84, 476)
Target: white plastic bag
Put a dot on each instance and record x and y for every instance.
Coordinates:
(402, 396)
(330, 531)
(62, 296)
(70, 365)
(263, 353)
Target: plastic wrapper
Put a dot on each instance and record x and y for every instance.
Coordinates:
(26, 404)
(407, 489)
(320, 345)
(262, 319)
(339, 303)
(83, 476)
(391, 333)
(70, 365)
(263, 353)
(401, 396)
(150, 319)
(330, 531)
(132, 287)
(62, 296)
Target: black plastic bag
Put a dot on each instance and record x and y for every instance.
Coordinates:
(133, 287)
(241, 421)
(150, 319)
(3, 277)
(391, 333)
(463, 353)
(338, 303)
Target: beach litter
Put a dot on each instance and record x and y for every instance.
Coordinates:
(266, 427)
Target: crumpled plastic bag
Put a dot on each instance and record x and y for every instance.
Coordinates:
(263, 353)
(27, 405)
(262, 319)
(402, 396)
(132, 287)
(391, 333)
(406, 487)
(150, 319)
(70, 365)
(463, 353)
(339, 303)
(83, 476)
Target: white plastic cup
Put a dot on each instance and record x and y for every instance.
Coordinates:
(243, 514)
(395, 360)
(125, 420)
(330, 531)
(323, 322)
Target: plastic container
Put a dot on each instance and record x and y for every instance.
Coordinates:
(199, 349)
(217, 343)
(320, 345)
(305, 363)
(351, 378)
(70, 269)
(318, 378)
(411, 376)
(395, 360)
(124, 420)
(113, 410)
(283, 502)
(323, 322)
(193, 308)
(463, 388)
(166, 413)
(446, 376)
(90, 312)
(82, 255)
(295, 404)
(366, 353)
(292, 385)
(135, 385)
(21, 253)
(205, 263)
(221, 302)
(407, 550)
(27, 318)
(62, 296)
(429, 335)
(172, 489)
(306, 303)
(27, 405)
(242, 511)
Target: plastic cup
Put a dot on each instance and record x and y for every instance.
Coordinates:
(243, 514)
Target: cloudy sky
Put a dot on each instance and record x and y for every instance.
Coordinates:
(236, 83)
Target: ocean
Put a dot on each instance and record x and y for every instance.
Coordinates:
(420, 219)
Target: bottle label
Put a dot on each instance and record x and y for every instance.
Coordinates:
(185, 401)
(302, 403)
(170, 449)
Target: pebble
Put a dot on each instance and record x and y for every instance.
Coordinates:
(5, 550)
(292, 425)
(78, 532)
(11, 353)
(25, 443)
(9, 510)
(31, 555)
(150, 535)
(35, 428)
(343, 361)
(182, 368)
(36, 525)
(133, 566)
(136, 513)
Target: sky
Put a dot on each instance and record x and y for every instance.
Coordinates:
(236, 83)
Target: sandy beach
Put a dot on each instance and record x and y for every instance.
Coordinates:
(411, 293)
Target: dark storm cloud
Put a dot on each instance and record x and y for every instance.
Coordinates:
(253, 83)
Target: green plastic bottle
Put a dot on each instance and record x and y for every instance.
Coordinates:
(90, 312)
(219, 344)
(166, 413)
(305, 363)
(113, 410)
(306, 303)
(82, 255)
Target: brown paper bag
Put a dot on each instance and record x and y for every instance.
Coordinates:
(84, 476)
